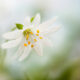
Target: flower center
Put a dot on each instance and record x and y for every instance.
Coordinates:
(31, 37)
(27, 31)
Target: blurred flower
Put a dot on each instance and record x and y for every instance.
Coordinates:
(32, 35)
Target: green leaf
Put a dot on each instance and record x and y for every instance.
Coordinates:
(19, 26)
(32, 19)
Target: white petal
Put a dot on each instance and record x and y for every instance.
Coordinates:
(20, 50)
(12, 43)
(27, 22)
(38, 48)
(47, 23)
(13, 34)
(47, 42)
(18, 53)
(25, 53)
(52, 30)
(36, 20)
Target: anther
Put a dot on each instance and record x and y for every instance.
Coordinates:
(35, 40)
(37, 31)
(32, 46)
(29, 42)
(41, 37)
(31, 33)
(37, 34)
(25, 44)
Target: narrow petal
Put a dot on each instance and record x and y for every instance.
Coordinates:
(18, 53)
(47, 23)
(12, 35)
(36, 21)
(52, 30)
(25, 53)
(38, 48)
(20, 50)
(12, 43)
(27, 22)
(47, 42)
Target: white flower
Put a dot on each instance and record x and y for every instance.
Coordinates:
(32, 36)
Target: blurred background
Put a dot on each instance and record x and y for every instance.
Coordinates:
(62, 62)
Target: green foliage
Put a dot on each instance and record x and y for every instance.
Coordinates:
(32, 19)
(19, 26)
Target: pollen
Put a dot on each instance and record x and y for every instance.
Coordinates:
(29, 42)
(27, 36)
(38, 31)
(37, 34)
(25, 44)
(31, 33)
(32, 46)
(35, 40)
(41, 37)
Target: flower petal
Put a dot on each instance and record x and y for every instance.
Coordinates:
(12, 43)
(47, 42)
(25, 53)
(36, 20)
(52, 30)
(46, 24)
(20, 49)
(27, 22)
(12, 35)
(18, 53)
(38, 48)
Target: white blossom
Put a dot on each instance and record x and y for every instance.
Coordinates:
(32, 36)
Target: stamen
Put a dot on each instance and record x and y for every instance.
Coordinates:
(41, 37)
(31, 33)
(25, 44)
(32, 46)
(27, 36)
(37, 31)
(29, 42)
(37, 34)
(35, 40)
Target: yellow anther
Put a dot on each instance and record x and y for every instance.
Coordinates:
(25, 44)
(37, 34)
(37, 31)
(35, 40)
(31, 33)
(41, 37)
(32, 46)
(27, 36)
(29, 42)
